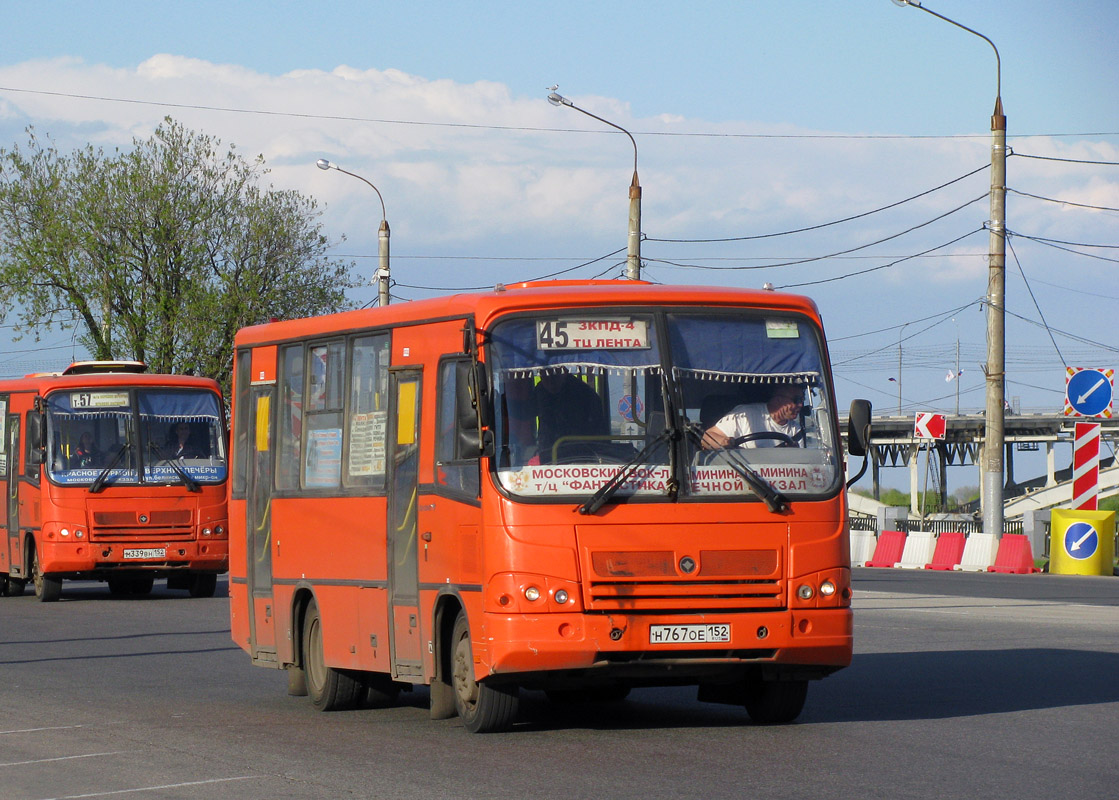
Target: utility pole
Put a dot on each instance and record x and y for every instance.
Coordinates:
(994, 437)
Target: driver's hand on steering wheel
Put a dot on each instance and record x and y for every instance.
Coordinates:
(715, 439)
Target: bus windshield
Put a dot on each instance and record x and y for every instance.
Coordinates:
(685, 404)
(122, 435)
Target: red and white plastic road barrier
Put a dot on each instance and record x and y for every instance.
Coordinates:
(1086, 465)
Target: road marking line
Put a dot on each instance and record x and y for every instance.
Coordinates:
(60, 758)
(155, 788)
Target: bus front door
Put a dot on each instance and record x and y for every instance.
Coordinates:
(404, 458)
(258, 525)
(14, 560)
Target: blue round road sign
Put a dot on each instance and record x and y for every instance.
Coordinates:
(1089, 392)
(1081, 540)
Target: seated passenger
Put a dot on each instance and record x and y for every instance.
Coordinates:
(567, 406)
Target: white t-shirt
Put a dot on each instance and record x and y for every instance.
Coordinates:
(754, 418)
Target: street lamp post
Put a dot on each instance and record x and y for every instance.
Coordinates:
(633, 249)
(994, 437)
(382, 276)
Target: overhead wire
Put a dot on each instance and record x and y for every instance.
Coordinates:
(525, 128)
(1040, 313)
(824, 224)
(1066, 160)
(880, 266)
(1062, 202)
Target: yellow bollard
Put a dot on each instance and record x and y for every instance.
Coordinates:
(1081, 542)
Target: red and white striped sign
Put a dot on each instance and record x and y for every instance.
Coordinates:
(927, 425)
(1086, 466)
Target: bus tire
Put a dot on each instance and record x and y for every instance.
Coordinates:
(329, 689)
(15, 586)
(203, 584)
(482, 707)
(775, 702)
(380, 691)
(143, 584)
(119, 586)
(47, 588)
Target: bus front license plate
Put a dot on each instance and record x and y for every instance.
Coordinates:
(147, 552)
(684, 634)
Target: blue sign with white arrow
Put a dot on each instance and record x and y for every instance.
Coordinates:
(1081, 540)
(1088, 392)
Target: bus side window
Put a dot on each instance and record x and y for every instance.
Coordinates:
(456, 454)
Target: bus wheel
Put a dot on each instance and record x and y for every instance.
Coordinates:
(329, 689)
(119, 586)
(483, 708)
(15, 586)
(142, 584)
(203, 584)
(775, 702)
(380, 692)
(47, 589)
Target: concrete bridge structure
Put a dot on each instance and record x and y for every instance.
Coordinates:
(893, 445)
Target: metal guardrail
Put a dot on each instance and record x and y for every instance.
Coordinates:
(865, 522)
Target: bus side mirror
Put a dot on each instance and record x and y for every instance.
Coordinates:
(480, 394)
(35, 452)
(469, 412)
(858, 428)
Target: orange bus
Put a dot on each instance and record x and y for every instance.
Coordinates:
(504, 491)
(116, 475)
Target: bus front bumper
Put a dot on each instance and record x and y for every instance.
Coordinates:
(814, 640)
(58, 557)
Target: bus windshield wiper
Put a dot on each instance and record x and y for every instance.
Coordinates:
(191, 483)
(608, 489)
(99, 482)
(777, 502)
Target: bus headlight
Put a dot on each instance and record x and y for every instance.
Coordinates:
(532, 594)
(805, 592)
(827, 588)
(560, 596)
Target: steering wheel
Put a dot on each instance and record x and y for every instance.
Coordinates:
(784, 439)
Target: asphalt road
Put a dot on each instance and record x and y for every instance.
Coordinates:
(964, 685)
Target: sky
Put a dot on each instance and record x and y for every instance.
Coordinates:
(866, 123)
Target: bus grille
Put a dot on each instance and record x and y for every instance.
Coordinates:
(653, 581)
(126, 525)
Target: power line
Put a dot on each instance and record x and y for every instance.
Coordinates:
(880, 266)
(1052, 243)
(1068, 160)
(797, 262)
(1029, 288)
(824, 224)
(520, 128)
(1062, 202)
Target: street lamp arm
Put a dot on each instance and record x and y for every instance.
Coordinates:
(557, 99)
(322, 163)
(998, 61)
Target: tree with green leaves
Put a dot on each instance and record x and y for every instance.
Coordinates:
(161, 252)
